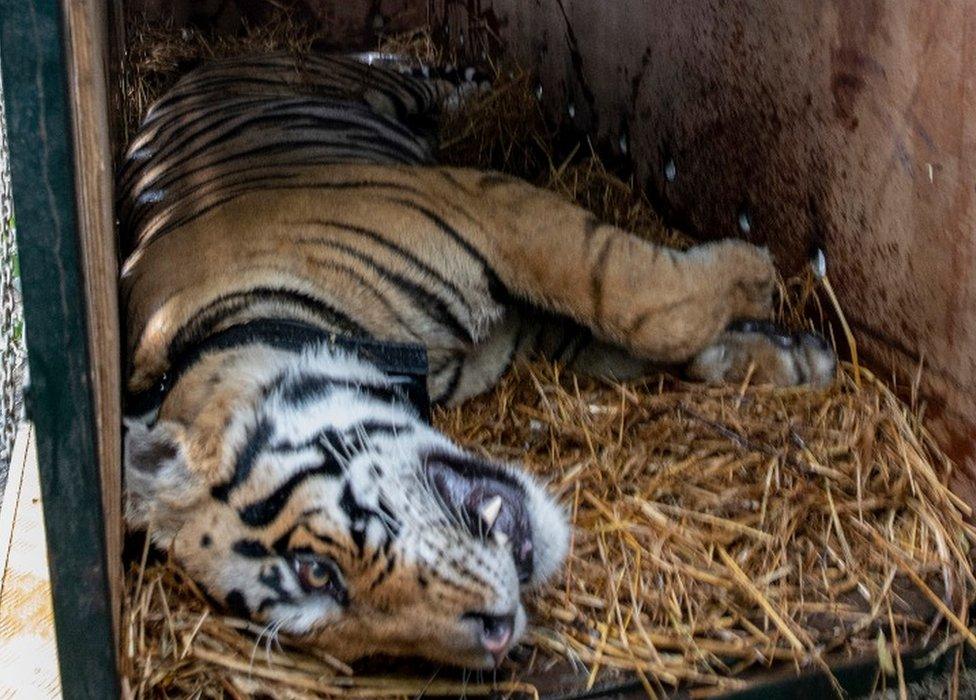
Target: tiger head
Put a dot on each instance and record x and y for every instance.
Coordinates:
(302, 494)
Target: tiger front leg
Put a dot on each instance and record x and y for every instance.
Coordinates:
(667, 306)
(658, 305)
(661, 304)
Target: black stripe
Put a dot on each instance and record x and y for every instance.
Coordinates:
(423, 300)
(495, 179)
(252, 549)
(378, 427)
(280, 545)
(263, 512)
(370, 428)
(452, 383)
(391, 522)
(310, 387)
(329, 541)
(451, 180)
(203, 322)
(363, 283)
(256, 441)
(358, 517)
(329, 444)
(375, 237)
(237, 604)
(271, 577)
(384, 574)
(329, 132)
(495, 286)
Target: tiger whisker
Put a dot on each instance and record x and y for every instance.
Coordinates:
(257, 644)
(273, 638)
(456, 519)
(423, 691)
(343, 458)
(267, 647)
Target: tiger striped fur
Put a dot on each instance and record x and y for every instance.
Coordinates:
(300, 488)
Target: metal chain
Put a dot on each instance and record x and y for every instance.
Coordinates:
(12, 364)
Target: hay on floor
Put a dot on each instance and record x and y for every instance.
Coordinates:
(717, 531)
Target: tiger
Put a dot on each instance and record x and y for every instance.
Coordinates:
(302, 280)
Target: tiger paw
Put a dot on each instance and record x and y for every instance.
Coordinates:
(747, 276)
(692, 298)
(766, 354)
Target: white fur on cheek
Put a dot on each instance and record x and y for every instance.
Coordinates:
(311, 613)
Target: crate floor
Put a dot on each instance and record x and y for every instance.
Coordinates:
(28, 655)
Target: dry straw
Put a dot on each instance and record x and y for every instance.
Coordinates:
(717, 531)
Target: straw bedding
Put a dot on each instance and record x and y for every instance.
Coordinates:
(717, 531)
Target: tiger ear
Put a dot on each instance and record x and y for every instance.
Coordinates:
(159, 484)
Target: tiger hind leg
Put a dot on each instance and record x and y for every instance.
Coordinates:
(763, 352)
(756, 351)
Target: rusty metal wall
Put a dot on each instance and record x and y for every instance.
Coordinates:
(849, 124)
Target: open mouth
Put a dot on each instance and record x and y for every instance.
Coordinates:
(488, 501)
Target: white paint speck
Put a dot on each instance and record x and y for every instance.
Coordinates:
(670, 171)
(151, 196)
(818, 263)
(745, 223)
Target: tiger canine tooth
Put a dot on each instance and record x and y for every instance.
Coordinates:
(489, 511)
(501, 539)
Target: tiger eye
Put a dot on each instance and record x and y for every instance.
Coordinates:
(314, 575)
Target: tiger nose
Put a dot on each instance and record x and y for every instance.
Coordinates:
(496, 633)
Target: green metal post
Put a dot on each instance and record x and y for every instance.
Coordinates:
(59, 401)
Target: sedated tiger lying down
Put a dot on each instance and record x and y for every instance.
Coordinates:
(301, 275)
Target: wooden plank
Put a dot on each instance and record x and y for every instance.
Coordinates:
(11, 496)
(87, 33)
(61, 399)
(28, 654)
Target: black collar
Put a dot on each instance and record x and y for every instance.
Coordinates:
(406, 363)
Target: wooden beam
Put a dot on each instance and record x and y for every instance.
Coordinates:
(86, 23)
(28, 655)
